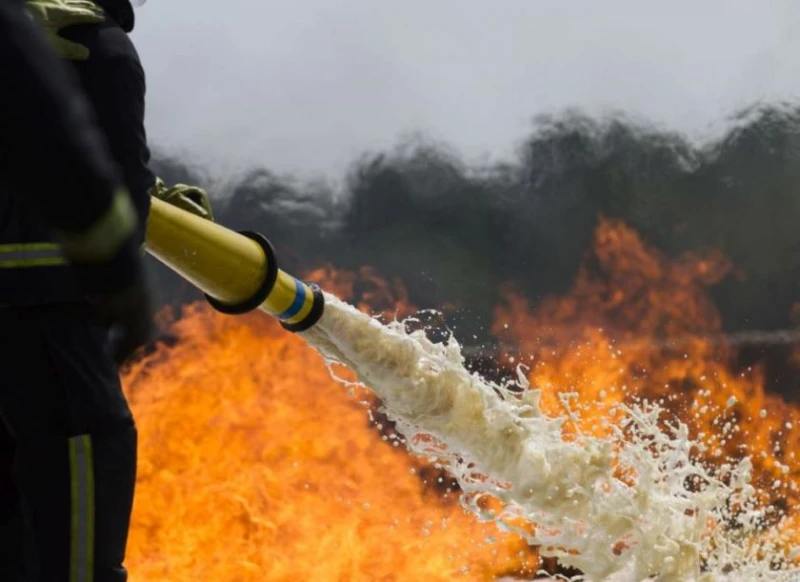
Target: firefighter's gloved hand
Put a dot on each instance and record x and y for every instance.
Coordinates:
(55, 15)
(107, 265)
(129, 315)
(189, 198)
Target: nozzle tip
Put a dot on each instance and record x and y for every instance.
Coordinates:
(317, 309)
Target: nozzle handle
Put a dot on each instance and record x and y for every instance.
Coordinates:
(263, 291)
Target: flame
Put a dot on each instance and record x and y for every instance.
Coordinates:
(796, 319)
(255, 465)
(636, 325)
(375, 294)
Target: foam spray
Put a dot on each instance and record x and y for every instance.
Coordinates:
(631, 506)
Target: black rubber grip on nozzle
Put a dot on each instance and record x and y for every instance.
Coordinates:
(266, 286)
(317, 309)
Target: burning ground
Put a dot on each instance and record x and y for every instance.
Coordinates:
(615, 262)
(256, 465)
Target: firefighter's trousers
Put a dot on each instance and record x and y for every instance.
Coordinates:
(67, 449)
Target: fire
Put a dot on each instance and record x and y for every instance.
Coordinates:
(375, 294)
(255, 465)
(637, 325)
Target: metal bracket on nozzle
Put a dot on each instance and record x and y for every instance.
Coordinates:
(266, 286)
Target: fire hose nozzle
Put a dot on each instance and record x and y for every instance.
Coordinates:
(237, 271)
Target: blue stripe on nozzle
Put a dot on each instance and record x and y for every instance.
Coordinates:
(297, 304)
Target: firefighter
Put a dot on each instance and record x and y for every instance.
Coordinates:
(53, 156)
(65, 418)
(50, 139)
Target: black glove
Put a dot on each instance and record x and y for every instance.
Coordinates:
(129, 317)
(120, 297)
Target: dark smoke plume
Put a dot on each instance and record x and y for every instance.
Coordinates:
(453, 234)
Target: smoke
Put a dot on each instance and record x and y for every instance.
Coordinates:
(454, 233)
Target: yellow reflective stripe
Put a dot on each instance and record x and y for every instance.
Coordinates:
(104, 238)
(32, 263)
(39, 254)
(38, 246)
(81, 468)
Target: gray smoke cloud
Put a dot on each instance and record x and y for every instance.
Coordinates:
(455, 233)
(257, 99)
(304, 87)
(410, 137)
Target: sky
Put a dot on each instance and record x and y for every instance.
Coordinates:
(306, 87)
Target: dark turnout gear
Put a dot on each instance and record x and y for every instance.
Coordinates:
(74, 447)
(94, 231)
(68, 440)
(114, 82)
(120, 11)
(48, 140)
(61, 201)
(49, 144)
(113, 79)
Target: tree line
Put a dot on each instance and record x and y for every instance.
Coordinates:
(455, 233)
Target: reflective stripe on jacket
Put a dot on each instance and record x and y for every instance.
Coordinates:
(23, 255)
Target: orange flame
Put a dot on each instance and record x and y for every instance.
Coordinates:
(256, 465)
(636, 325)
(376, 295)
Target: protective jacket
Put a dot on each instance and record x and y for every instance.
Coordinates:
(67, 436)
(33, 269)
